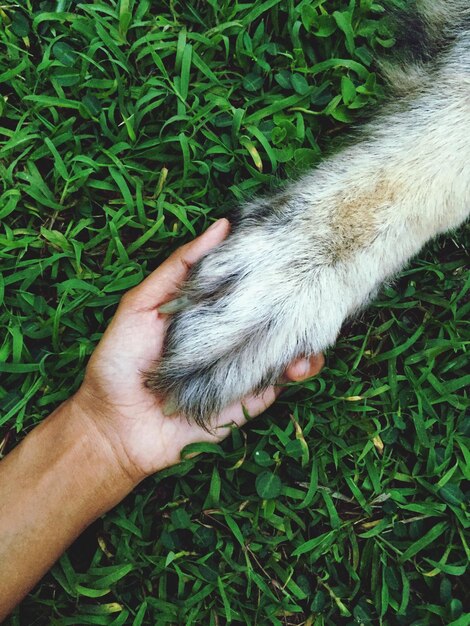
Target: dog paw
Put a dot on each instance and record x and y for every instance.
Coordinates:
(247, 310)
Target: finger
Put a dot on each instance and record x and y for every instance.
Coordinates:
(253, 406)
(163, 283)
(305, 367)
(242, 411)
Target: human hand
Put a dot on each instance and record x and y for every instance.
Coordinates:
(113, 398)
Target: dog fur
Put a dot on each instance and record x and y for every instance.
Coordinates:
(298, 264)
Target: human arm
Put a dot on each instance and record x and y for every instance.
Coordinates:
(98, 445)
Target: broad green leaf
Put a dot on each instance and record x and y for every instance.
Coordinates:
(268, 485)
(64, 53)
(20, 24)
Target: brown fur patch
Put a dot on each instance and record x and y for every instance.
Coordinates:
(354, 221)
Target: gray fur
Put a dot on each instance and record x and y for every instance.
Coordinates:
(300, 263)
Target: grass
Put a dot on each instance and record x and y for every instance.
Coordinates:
(126, 128)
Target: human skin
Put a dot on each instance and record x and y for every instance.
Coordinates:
(98, 445)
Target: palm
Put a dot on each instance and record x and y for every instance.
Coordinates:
(152, 440)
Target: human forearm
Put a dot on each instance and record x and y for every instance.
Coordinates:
(55, 483)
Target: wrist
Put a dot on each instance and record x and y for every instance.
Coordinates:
(96, 457)
(99, 424)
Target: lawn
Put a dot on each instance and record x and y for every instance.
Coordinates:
(125, 129)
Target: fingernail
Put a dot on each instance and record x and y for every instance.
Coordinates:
(216, 225)
(174, 306)
(302, 367)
